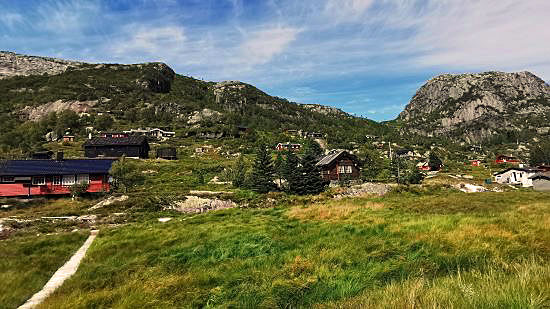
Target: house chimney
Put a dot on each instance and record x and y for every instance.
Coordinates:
(59, 156)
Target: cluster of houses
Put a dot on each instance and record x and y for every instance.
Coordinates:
(45, 175)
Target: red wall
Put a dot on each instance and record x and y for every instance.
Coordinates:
(98, 183)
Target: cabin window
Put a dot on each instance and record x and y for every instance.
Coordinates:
(344, 169)
(56, 180)
(39, 180)
(83, 178)
(8, 179)
(68, 180)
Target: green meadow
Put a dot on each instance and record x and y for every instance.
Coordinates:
(408, 249)
(27, 263)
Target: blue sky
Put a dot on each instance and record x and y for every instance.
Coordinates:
(367, 57)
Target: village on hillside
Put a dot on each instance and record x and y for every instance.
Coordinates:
(49, 173)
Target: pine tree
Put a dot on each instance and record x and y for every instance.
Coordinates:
(238, 174)
(291, 172)
(279, 169)
(311, 183)
(262, 173)
(434, 162)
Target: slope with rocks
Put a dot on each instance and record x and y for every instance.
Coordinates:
(151, 94)
(476, 107)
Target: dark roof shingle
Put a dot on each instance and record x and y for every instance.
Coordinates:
(53, 167)
(121, 141)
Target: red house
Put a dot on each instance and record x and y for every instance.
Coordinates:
(507, 159)
(52, 177)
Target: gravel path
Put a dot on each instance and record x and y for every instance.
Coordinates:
(60, 275)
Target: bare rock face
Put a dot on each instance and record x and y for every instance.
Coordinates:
(37, 112)
(12, 64)
(322, 109)
(473, 107)
(158, 77)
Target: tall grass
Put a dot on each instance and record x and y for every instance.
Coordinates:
(27, 263)
(403, 250)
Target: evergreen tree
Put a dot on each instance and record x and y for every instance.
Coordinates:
(262, 173)
(238, 175)
(372, 165)
(540, 154)
(291, 172)
(314, 148)
(279, 169)
(434, 162)
(311, 181)
(415, 176)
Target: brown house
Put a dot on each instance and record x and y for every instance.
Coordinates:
(339, 165)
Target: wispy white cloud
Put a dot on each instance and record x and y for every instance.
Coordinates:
(10, 19)
(287, 46)
(69, 16)
(340, 11)
(265, 44)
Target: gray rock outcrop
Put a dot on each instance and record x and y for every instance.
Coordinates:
(12, 64)
(476, 106)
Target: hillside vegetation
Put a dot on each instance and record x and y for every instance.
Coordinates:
(112, 96)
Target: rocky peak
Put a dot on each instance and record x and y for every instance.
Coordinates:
(12, 64)
(490, 101)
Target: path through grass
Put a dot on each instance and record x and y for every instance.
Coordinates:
(27, 263)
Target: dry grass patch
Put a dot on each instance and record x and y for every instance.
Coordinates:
(332, 211)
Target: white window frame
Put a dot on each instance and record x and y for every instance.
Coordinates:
(348, 169)
(83, 178)
(341, 169)
(39, 180)
(68, 180)
(56, 181)
(8, 179)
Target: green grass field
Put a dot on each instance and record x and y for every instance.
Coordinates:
(410, 249)
(27, 263)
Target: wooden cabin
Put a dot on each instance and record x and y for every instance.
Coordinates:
(114, 147)
(339, 165)
(167, 153)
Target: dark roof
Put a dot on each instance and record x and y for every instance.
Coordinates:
(53, 167)
(333, 155)
(527, 170)
(402, 151)
(121, 141)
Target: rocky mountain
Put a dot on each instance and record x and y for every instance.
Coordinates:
(478, 107)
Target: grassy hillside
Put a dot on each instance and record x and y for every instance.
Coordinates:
(431, 249)
(151, 95)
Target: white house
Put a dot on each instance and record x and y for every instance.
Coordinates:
(516, 176)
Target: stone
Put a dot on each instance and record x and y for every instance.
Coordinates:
(109, 201)
(477, 106)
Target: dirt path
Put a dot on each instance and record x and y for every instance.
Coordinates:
(60, 275)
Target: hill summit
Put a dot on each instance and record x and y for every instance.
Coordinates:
(475, 107)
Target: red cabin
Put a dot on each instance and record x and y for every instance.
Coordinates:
(52, 177)
(507, 159)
